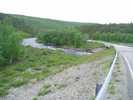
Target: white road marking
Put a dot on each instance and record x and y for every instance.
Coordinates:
(129, 66)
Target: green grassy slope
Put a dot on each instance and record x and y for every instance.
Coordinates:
(34, 25)
(39, 64)
(106, 32)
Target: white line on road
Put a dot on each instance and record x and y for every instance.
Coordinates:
(129, 66)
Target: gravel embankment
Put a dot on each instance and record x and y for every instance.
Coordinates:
(75, 83)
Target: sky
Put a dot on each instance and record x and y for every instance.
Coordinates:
(94, 11)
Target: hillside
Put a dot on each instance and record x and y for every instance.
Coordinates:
(34, 24)
(106, 32)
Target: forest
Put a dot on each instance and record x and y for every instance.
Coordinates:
(64, 38)
(53, 32)
(106, 32)
(109, 32)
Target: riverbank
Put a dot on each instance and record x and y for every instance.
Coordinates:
(92, 47)
(78, 82)
(37, 64)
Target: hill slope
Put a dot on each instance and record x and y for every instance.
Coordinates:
(34, 24)
(106, 32)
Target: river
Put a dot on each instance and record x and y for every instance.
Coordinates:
(33, 43)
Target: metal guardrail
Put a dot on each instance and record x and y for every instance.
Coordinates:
(101, 93)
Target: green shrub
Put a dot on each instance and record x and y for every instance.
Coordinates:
(113, 37)
(66, 38)
(10, 47)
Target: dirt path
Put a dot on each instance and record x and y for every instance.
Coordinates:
(75, 83)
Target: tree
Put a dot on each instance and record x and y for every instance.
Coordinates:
(10, 47)
(70, 38)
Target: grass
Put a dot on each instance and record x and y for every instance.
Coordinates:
(45, 90)
(117, 82)
(40, 63)
(35, 98)
(60, 86)
(92, 98)
(106, 66)
(111, 88)
(94, 45)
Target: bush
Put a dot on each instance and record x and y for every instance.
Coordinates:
(113, 37)
(66, 38)
(10, 47)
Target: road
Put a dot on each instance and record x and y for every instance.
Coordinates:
(127, 53)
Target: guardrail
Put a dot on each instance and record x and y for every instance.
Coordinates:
(102, 91)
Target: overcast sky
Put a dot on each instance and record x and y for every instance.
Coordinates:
(100, 11)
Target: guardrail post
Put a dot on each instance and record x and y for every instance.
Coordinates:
(98, 87)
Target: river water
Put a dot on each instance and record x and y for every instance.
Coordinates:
(33, 43)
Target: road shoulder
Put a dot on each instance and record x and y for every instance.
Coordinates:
(117, 89)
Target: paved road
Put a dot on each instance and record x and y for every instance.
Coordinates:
(127, 53)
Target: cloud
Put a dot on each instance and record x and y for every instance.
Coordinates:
(101, 11)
